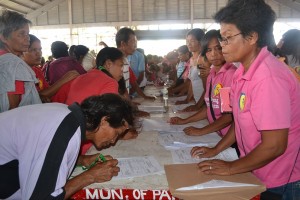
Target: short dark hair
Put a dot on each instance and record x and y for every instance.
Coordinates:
(113, 54)
(123, 35)
(207, 38)
(108, 53)
(59, 49)
(11, 21)
(197, 33)
(33, 38)
(250, 16)
(113, 106)
(80, 50)
(291, 44)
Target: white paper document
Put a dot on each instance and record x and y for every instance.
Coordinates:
(163, 125)
(175, 140)
(137, 167)
(152, 109)
(214, 184)
(183, 156)
(132, 167)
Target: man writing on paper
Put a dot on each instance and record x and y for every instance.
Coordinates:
(40, 144)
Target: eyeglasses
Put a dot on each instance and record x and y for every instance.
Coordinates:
(225, 41)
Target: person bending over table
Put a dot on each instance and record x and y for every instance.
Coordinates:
(40, 144)
(265, 98)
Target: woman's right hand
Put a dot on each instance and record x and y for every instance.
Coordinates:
(204, 152)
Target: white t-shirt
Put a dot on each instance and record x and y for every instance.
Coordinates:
(26, 133)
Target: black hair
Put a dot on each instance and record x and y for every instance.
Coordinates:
(291, 44)
(123, 35)
(207, 38)
(11, 21)
(197, 33)
(113, 54)
(113, 106)
(33, 38)
(108, 53)
(80, 51)
(248, 17)
(59, 49)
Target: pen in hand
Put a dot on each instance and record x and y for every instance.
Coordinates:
(101, 158)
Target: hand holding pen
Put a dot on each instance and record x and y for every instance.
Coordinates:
(103, 169)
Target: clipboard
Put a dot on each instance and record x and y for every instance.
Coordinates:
(183, 175)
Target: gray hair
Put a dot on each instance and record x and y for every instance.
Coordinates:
(11, 21)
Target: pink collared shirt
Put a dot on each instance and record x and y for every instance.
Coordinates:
(220, 79)
(267, 97)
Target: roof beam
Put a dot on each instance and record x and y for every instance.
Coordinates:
(11, 8)
(43, 9)
(22, 4)
(38, 3)
(293, 4)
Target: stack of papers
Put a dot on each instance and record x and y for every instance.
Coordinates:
(183, 156)
(176, 140)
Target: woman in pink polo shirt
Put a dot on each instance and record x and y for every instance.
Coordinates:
(220, 76)
(265, 100)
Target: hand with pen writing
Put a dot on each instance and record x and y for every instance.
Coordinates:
(104, 171)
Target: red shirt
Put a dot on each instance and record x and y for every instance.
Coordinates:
(94, 82)
(132, 77)
(42, 84)
(62, 94)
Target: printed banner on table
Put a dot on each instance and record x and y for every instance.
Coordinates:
(124, 194)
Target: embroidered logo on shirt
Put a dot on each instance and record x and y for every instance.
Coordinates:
(217, 89)
(39, 85)
(242, 101)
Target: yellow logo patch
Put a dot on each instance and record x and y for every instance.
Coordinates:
(242, 101)
(217, 89)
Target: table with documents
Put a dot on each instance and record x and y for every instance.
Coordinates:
(159, 149)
